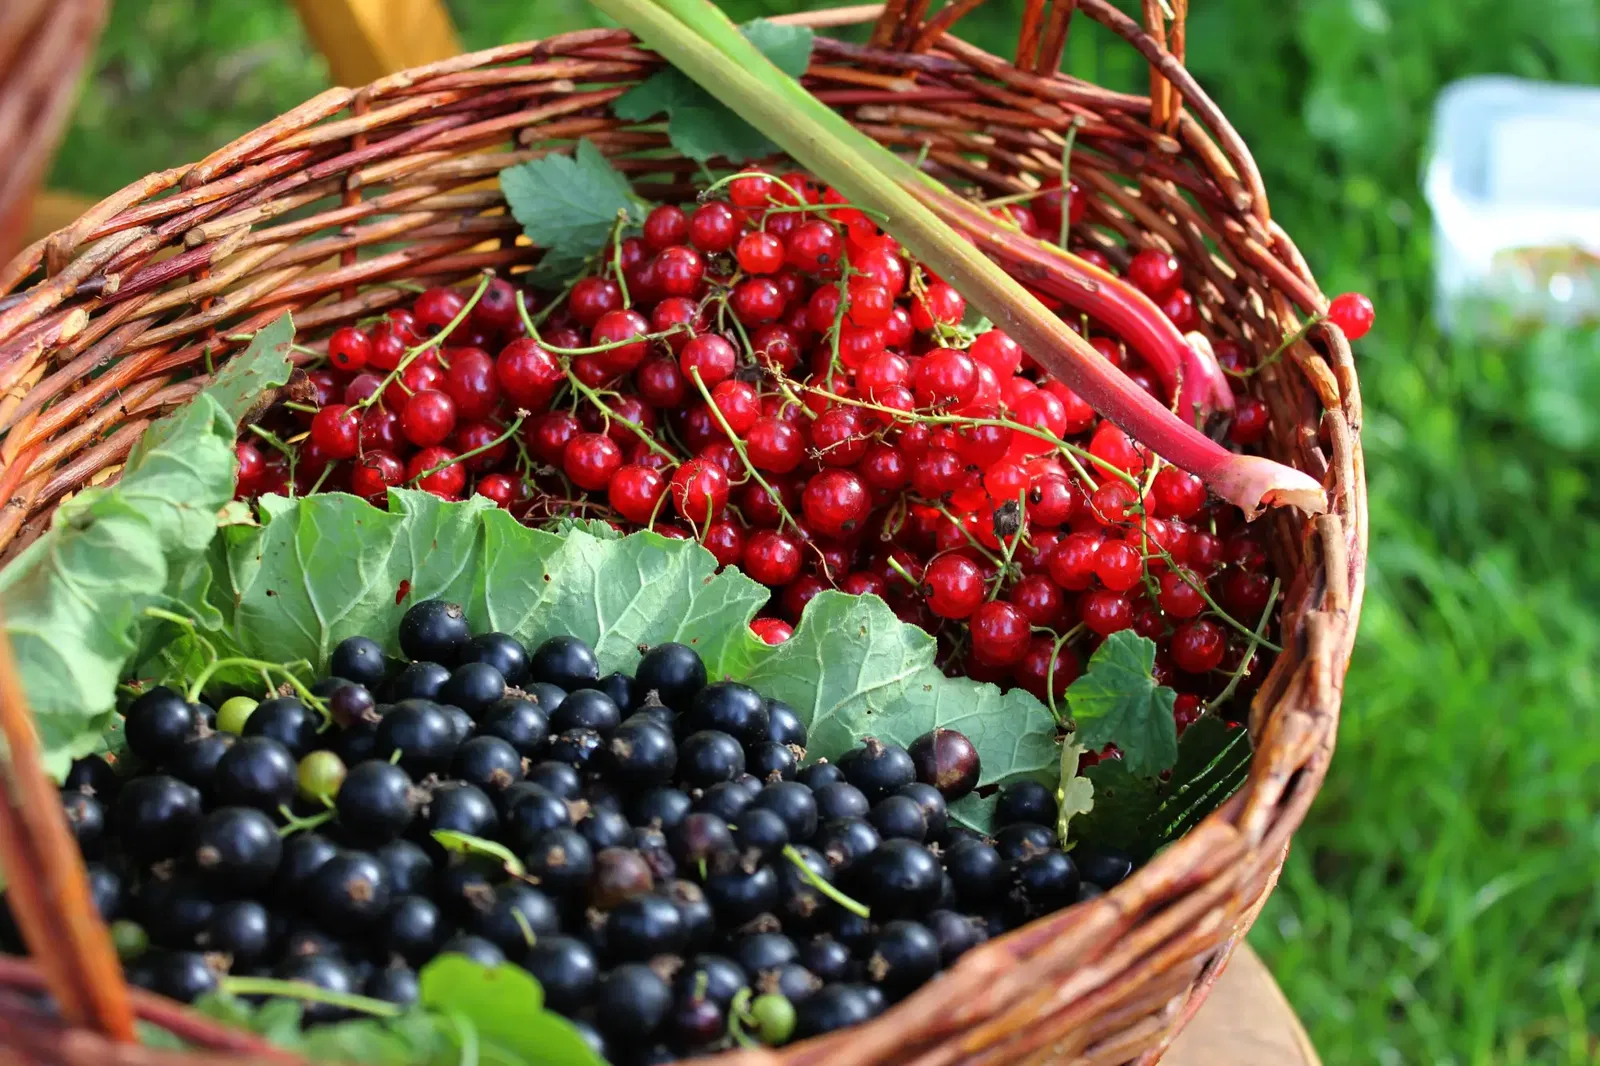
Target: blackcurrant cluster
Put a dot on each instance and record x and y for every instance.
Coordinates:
(679, 875)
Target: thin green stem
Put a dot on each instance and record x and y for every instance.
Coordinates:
(811, 877)
(315, 702)
(293, 823)
(271, 986)
(1250, 649)
(738, 446)
(1066, 181)
(479, 450)
(1050, 671)
(187, 623)
(616, 254)
(971, 540)
(434, 341)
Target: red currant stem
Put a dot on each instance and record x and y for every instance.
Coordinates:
(1050, 676)
(738, 446)
(271, 986)
(789, 209)
(317, 484)
(616, 255)
(510, 432)
(655, 511)
(794, 194)
(434, 341)
(810, 877)
(1278, 352)
(1256, 640)
(272, 439)
(1011, 544)
(303, 408)
(1200, 587)
(838, 318)
(963, 420)
(560, 298)
(899, 568)
(293, 823)
(1066, 185)
(971, 540)
(611, 416)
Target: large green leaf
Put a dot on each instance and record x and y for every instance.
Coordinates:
(567, 205)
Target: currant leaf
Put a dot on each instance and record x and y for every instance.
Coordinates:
(1075, 793)
(700, 126)
(568, 205)
(1117, 701)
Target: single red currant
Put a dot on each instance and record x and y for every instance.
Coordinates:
(435, 470)
(1197, 646)
(528, 374)
(626, 331)
(1155, 272)
(1352, 313)
(1000, 633)
(635, 491)
(1250, 421)
(1045, 670)
(592, 297)
(953, 585)
(665, 226)
(815, 247)
(759, 253)
(939, 303)
(590, 460)
(835, 502)
(772, 558)
(713, 227)
(349, 349)
(428, 418)
(1040, 600)
(1104, 611)
(771, 630)
(374, 474)
(712, 356)
(774, 445)
(700, 490)
(336, 430)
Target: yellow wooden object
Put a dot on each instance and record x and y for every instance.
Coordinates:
(365, 39)
(1244, 1022)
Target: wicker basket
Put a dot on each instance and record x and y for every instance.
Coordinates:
(110, 319)
(44, 45)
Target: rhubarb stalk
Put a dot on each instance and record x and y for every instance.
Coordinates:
(700, 41)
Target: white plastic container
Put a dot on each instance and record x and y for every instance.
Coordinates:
(1514, 184)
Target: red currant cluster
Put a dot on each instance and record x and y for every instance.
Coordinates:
(771, 375)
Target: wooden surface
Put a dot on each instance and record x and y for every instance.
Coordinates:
(365, 39)
(1244, 1022)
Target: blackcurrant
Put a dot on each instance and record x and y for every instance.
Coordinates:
(475, 948)
(794, 803)
(632, 1002)
(183, 975)
(933, 805)
(349, 891)
(241, 928)
(899, 817)
(560, 862)
(393, 984)
(458, 807)
(708, 757)
(877, 769)
(827, 958)
(761, 833)
(696, 1022)
(155, 817)
(565, 662)
(422, 733)
(758, 952)
(699, 920)
(674, 672)
(106, 889)
(904, 956)
(978, 871)
(1023, 840)
(899, 879)
(784, 725)
(1105, 867)
(519, 722)
(771, 761)
(660, 808)
(946, 760)
(801, 903)
(419, 681)
(716, 977)
(566, 969)
(1044, 883)
(303, 855)
(86, 818)
(158, 722)
(500, 650)
(841, 800)
(698, 838)
(489, 763)
(175, 910)
(474, 687)
(409, 867)
(740, 895)
(640, 754)
(956, 934)
(555, 777)
(622, 689)
(732, 708)
(1025, 801)
(651, 844)
(576, 747)
(535, 813)
(358, 659)
(94, 776)
(605, 829)
(434, 631)
(326, 972)
(619, 874)
(237, 848)
(196, 759)
(377, 801)
(587, 708)
(256, 772)
(519, 913)
(820, 774)
(835, 1007)
(845, 842)
(288, 721)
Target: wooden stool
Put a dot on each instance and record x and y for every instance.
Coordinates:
(1244, 1022)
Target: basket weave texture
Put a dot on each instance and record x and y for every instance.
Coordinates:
(108, 323)
(44, 45)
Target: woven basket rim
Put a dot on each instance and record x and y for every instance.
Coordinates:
(1148, 948)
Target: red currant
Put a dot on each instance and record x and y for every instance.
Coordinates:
(1002, 354)
(883, 466)
(1104, 611)
(374, 473)
(713, 227)
(590, 460)
(1118, 565)
(1245, 594)
(835, 502)
(1072, 562)
(336, 430)
(636, 491)
(751, 191)
(945, 377)
(725, 539)
(699, 490)
(1250, 421)
(252, 466)
(349, 349)
(772, 558)
(756, 301)
(771, 630)
(435, 470)
(380, 428)
(660, 383)
(1112, 446)
(1040, 600)
(428, 418)
(759, 253)
(953, 585)
(592, 297)
(626, 330)
(665, 226)
(870, 302)
(1000, 633)
(1034, 672)
(475, 435)
(436, 308)
(1181, 308)
(1197, 646)
(501, 488)
(1180, 594)
(1352, 313)
(939, 303)
(775, 445)
(496, 309)
(1155, 273)
(1052, 500)
(838, 436)
(528, 374)
(1178, 493)
(815, 247)
(471, 383)
(709, 354)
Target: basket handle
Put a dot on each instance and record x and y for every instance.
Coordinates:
(48, 889)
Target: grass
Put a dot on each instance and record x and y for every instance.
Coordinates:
(1440, 906)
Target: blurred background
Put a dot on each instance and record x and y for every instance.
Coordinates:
(1441, 905)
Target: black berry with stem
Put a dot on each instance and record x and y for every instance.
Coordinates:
(241, 928)
(434, 631)
(675, 672)
(519, 722)
(566, 969)
(419, 681)
(519, 912)
(732, 708)
(740, 894)
(256, 772)
(632, 1001)
(158, 722)
(475, 948)
(801, 904)
(460, 808)
(474, 687)
(410, 869)
(899, 817)
(708, 757)
(660, 809)
(619, 874)
(946, 760)
(377, 801)
(977, 870)
(196, 759)
(350, 891)
(586, 708)
(933, 805)
(771, 761)
(303, 855)
(761, 833)
(358, 659)
(288, 721)
(605, 829)
(489, 763)
(641, 754)
(1044, 883)
(237, 848)
(1105, 867)
(155, 817)
(352, 704)
(326, 972)
(86, 818)
(565, 662)
(841, 800)
(790, 983)
(846, 842)
(899, 879)
(393, 984)
(904, 956)
(1023, 840)
(500, 650)
(784, 725)
(555, 777)
(716, 977)
(794, 803)
(830, 960)
(1025, 801)
(820, 774)
(422, 733)
(561, 862)
(837, 1006)
(878, 769)
(956, 934)
(576, 747)
(93, 775)
(535, 813)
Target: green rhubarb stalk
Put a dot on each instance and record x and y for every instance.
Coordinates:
(699, 40)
